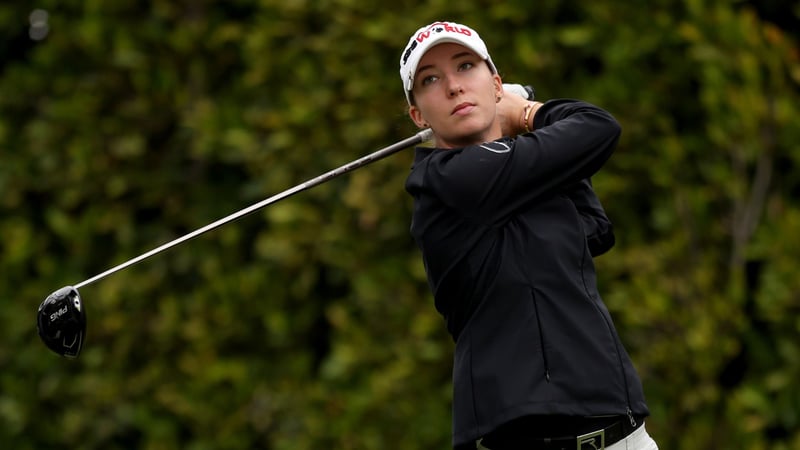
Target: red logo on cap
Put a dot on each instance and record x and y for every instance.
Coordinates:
(439, 27)
(436, 27)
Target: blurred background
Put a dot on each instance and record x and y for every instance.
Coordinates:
(309, 324)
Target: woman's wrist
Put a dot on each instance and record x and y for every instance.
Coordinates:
(526, 110)
(528, 113)
(534, 108)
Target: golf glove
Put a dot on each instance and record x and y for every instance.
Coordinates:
(525, 92)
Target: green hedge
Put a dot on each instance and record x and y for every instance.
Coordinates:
(309, 324)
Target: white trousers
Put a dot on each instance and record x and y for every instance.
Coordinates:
(638, 440)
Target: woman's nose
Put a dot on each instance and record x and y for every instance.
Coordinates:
(454, 88)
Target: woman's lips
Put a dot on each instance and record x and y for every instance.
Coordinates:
(463, 108)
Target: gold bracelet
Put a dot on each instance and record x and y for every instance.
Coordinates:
(527, 117)
(525, 112)
(534, 107)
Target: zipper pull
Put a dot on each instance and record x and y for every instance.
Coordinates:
(630, 417)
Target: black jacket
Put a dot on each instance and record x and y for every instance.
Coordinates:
(507, 231)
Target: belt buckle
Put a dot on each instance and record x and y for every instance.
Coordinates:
(590, 441)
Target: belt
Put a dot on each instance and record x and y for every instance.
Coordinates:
(595, 440)
(598, 439)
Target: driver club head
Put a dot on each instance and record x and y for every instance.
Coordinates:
(61, 321)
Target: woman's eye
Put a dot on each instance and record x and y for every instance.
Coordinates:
(466, 66)
(429, 79)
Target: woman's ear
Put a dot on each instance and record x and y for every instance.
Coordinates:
(416, 116)
(498, 86)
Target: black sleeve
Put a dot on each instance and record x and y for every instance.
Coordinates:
(598, 228)
(492, 181)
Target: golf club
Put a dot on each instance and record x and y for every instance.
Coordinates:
(61, 319)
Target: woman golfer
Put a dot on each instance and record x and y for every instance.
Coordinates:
(507, 222)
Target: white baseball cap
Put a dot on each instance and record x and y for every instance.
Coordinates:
(438, 33)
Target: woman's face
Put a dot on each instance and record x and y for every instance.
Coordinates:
(456, 95)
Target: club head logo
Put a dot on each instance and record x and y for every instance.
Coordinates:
(57, 315)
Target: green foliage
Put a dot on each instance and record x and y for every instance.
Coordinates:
(310, 324)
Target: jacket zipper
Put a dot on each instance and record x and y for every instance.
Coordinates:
(541, 337)
(628, 410)
(630, 415)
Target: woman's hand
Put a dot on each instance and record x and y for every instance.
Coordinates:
(510, 111)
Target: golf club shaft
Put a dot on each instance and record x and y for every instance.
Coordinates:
(418, 138)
